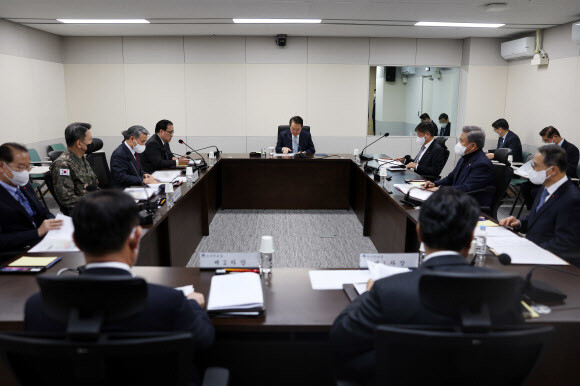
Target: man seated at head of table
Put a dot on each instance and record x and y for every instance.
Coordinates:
(473, 171)
(107, 231)
(430, 159)
(71, 173)
(24, 220)
(554, 220)
(126, 168)
(157, 154)
(446, 226)
(295, 140)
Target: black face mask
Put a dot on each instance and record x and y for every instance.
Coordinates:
(96, 145)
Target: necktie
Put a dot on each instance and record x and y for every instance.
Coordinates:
(442, 132)
(138, 164)
(24, 202)
(542, 199)
(294, 144)
(419, 155)
(500, 142)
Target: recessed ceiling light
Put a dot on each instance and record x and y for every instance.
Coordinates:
(103, 21)
(277, 21)
(460, 25)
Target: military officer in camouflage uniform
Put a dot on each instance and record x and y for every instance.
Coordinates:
(71, 173)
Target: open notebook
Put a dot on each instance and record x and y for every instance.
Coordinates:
(236, 294)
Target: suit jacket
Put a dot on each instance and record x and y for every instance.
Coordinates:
(393, 300)
(445, 132)
(472, 172)
(433, 161)
(156, 156)
(17, 229)
(166, 309)
(511, 141)
(304, 142)
(573, 157)
(556, 225)
(124, 168)
(435, 129)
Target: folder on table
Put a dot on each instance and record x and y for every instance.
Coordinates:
(236, 295)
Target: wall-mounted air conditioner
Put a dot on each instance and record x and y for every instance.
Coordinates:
(408, 71)
(576, 33)
(519, 48)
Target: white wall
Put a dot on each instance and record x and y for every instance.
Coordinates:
(32, 88)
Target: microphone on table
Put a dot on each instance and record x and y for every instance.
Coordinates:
(408, 200)
(217, 151)
(203, 164)
(503, 258)
(544, 292)
(183, 156)
(367, 157)
(145, 215)
(299, 154)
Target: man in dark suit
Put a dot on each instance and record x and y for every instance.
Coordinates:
(294, 140)
(554, 220)
(445, 125)
(24, 220)
(474, 171)
(157, 154)
(106, 229)
(446, 226)
(507, 139)
(426, 118)
(126, 169)
(431, 157)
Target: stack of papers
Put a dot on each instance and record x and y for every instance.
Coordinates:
(58, 240)
(143, 193)
(236, 294)
(523, 251)
(283, 155)
(335, 279)
(165, 176)
(418, 194)
(392, 165)
(524, 170)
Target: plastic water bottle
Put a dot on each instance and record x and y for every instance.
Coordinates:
(480, 245)
(263, 152)
(189, 175)
(383, 175)
(211, 158)
(356, 155)
(169, 195)
(510, 158)
(266, 254)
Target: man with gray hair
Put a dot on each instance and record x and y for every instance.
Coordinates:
(474, 171)
(126, 167)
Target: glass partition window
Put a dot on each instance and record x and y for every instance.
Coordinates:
(399, 96)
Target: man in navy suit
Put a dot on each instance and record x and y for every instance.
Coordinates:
(474, 171)
(106, 229)
(126, 168)
(507, 139)
(554, 220)
(445, 125)
(157, 154)
(24, 220)
(446, 226)
(431, 157)
(294, 140)
(426, 118)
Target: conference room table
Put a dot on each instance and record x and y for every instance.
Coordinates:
(290, 344)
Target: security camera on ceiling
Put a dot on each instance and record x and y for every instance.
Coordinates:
(281, 40)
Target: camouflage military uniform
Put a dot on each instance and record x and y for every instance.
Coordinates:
(71, 175)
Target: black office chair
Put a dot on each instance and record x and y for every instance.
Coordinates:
(83, 355)
(435, 178)
(50, 186)
(441, 141)
(54, 154)
(100, 166)
(503, 178)
(96, 145)
(281, 128)
(471, 350)
(501, 155)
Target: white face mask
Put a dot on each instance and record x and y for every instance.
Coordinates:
(139, 148)
(460, 149)
(538, 177)
(18, 178)
(420, 141)
(443, 125)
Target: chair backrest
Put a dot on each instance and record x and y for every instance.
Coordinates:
(281, 128)
(50, 186)
(526, 156)
(503, 177)
(54, 154)
(34, 157)
(96, 145)
(100, 166)
(441, 141)
(501, 155)
(56, 146)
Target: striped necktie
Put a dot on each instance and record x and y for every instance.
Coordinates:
(294, 144)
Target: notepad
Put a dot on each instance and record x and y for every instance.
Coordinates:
(58, 240)
(27, 261)
(166, 175)
(487, 223)
(238, 294)
(523, 251)
(418, 194)
(335, 278)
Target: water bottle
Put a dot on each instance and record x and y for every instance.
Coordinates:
(356, 156)
(510, 158)
(211, 158)
(480, 245)
(266, 252)
(169, 195)
(383, 175)
(189, 175)
(263, 152)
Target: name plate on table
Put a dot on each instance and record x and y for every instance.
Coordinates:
(229, 260)
(408, 260)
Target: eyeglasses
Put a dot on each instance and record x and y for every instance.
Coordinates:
(20, 168)
(170, 132)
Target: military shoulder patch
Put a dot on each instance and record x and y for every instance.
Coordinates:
(65, 172)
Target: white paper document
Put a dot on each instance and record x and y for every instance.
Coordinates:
(166, 175)
(186, 289)
(418, 194)
(143, 193)
(524, 170)
(235, 291)
(361, 288)
(392, 165)
(334, 279)
(500, 232)
(379, 271)
(58, 240)
(283, 155)
(523, 251)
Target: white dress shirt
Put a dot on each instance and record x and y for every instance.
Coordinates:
(440, 253)
(552, 189)
(110, 264)
(163, 142)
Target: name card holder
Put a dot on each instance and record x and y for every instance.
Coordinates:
(229, 260)
(408, 260)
